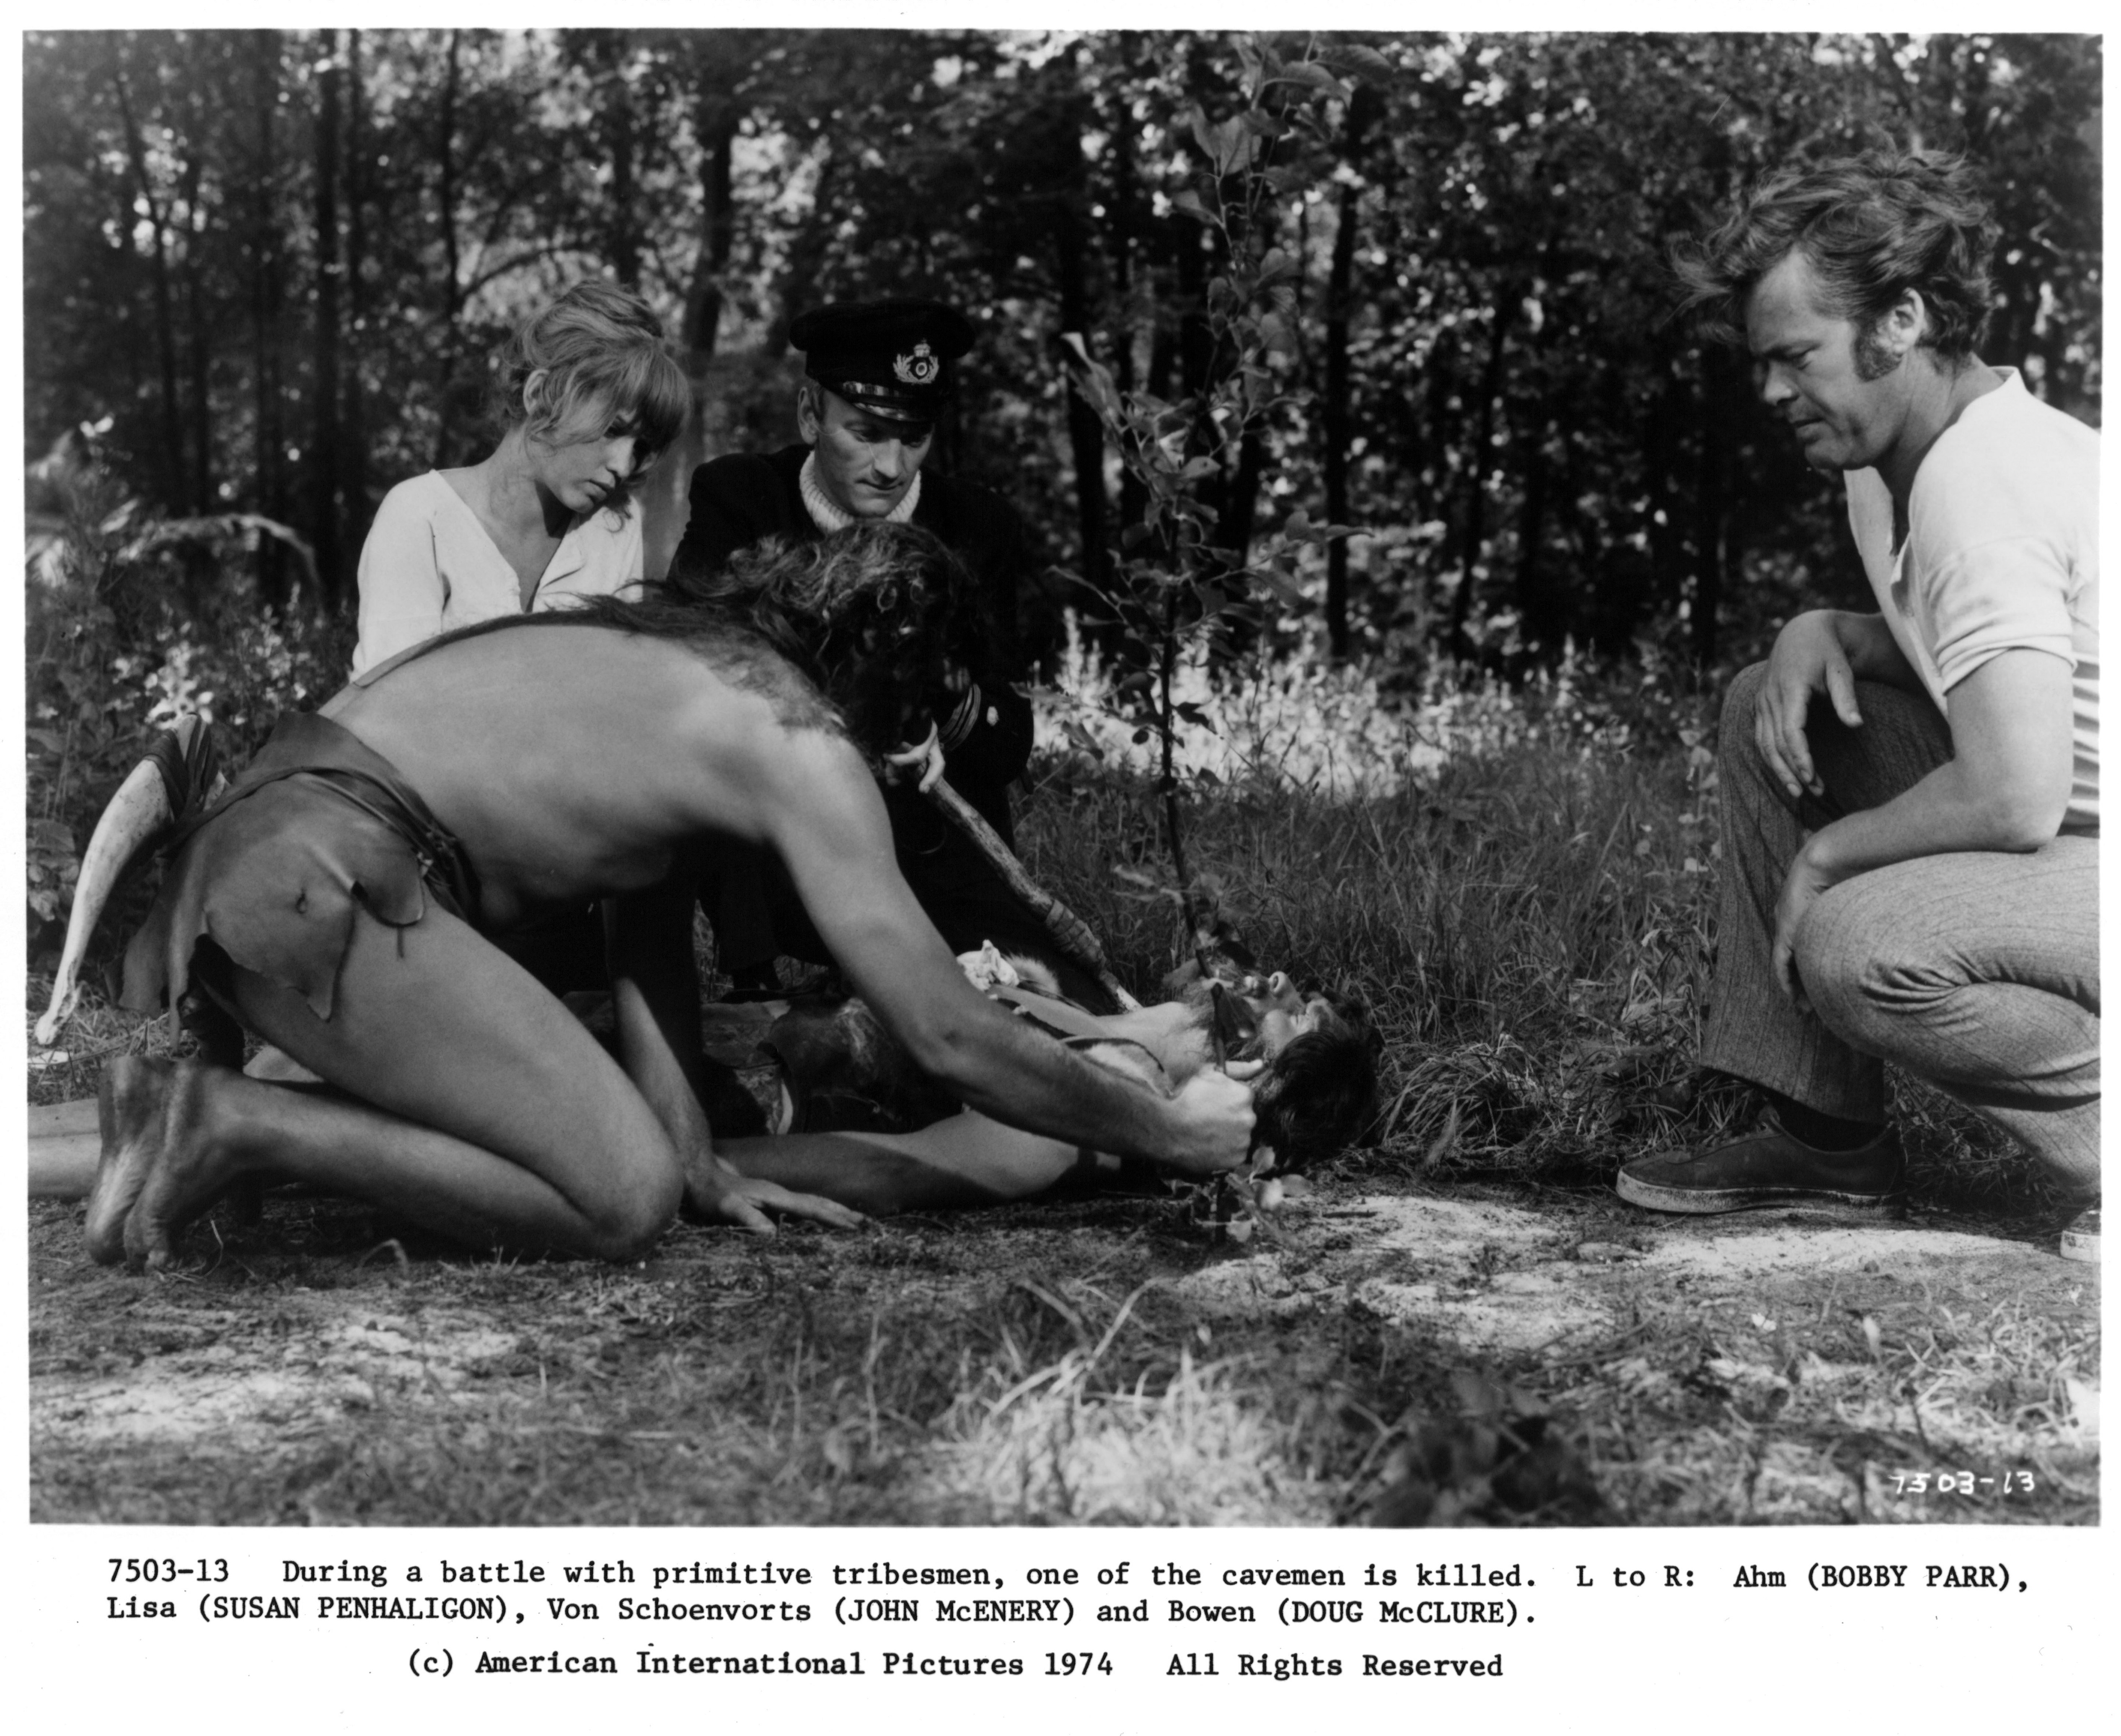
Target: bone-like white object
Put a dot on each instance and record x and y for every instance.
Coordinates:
(987, 969)
(1070, 930)
(139, 810)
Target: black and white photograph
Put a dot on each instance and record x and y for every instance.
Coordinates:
(1150, 777)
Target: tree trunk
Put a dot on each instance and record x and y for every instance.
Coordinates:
(1241, 497)
(1541, 607)
(445, 186)
(1086, 435)
(200, 340)
(1236, 500)
(172, 466)
(324, 382)
(666, 497)
(266, 298)
(353, 453)
(125, 284)
(624, 231)
(1362, 109)
(1475, 534)
(1663, 418)
(1123, 227)
(1195, 341)
(1711, 502)
(717, 128)
(1334, 411)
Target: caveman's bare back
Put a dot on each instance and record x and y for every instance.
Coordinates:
(575, 762)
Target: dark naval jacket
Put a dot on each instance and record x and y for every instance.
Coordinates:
(737, 500)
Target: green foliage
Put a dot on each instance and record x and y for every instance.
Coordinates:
(1530, 916)
(278, 261)
(1178, 582)
(132, 619)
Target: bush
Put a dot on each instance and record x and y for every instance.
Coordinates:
(1520, 881)
(132, 619)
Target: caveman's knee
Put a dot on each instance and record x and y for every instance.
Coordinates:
(627, 1218)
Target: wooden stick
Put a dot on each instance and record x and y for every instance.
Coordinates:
(1070, 930)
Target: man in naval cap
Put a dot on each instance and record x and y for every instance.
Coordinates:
(878, 375)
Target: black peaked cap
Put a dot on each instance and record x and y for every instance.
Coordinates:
(892, 357)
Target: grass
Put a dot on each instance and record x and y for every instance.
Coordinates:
(1533, 931)
(1532, 927)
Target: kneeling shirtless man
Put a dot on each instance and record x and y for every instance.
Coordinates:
(337, 902)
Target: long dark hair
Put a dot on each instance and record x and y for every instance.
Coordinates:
(872, 615)
(1320, 1089)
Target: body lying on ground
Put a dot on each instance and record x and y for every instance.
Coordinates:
(856, 1120)
(818, 1096)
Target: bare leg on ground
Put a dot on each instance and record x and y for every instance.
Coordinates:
(132, 1103)
(477, 1107)
(66, 1139)
(65, 1143)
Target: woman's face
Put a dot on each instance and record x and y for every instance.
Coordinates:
(589, 460)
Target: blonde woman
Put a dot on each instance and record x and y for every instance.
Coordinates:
(588, 397)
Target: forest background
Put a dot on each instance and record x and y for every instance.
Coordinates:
(1237, 295)
(266, 271)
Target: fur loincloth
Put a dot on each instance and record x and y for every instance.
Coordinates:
(272, 874)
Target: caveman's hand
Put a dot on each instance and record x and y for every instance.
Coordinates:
(1212, 1116)
(927, 755)
(720, 1195)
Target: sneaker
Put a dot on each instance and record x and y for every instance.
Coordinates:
(2081, 1240)
(1768, 1169)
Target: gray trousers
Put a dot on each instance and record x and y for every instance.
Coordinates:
(1977, 972)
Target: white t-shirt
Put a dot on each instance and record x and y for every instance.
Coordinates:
(2001, 554)
(429, 565)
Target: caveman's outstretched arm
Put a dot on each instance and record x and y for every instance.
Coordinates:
(655, 1001)
(823, 815)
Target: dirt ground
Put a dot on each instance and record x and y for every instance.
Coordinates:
(1097, 1362)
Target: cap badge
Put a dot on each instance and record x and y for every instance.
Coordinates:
(920, 368)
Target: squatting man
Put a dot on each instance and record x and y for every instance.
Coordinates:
(1910, 799)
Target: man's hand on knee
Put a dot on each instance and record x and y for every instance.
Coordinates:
(1800, 890)
(1808, 659)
